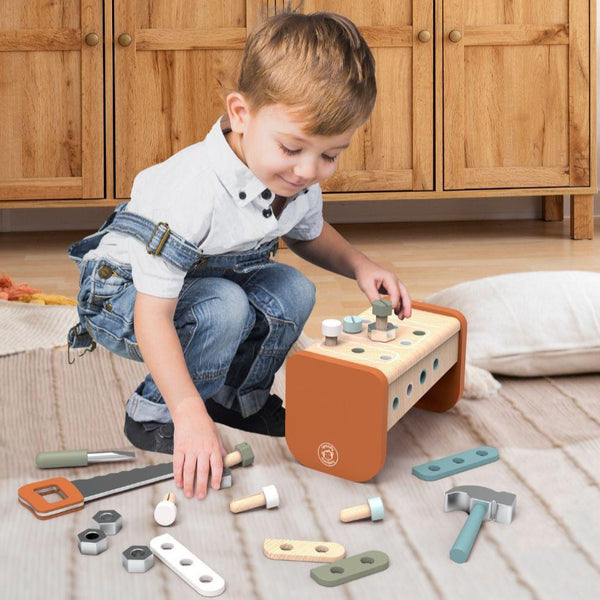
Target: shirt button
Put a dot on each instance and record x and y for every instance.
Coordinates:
(306, 191)
(267, 213)
(242, 195)
(266, 194)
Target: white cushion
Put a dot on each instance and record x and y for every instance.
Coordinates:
(530, 324)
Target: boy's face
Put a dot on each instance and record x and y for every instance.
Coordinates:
(274, 147)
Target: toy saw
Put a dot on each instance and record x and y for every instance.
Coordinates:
(73, 494)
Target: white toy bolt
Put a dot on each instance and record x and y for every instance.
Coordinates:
(269, 497)
(166, 510)
(373, 510)
(331, 329)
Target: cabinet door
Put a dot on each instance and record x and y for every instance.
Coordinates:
(394, 149)
(51, 99)
(174, 64)
(516, 93)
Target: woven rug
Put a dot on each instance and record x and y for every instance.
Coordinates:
(546, 430)
(31, 326)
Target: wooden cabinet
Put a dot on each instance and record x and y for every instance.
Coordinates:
(51, 99)
(174, 62)
(476, 98)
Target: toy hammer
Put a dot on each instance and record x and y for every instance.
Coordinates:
(482, 504)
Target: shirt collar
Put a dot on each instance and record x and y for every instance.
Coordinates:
(239, 181)
(236, 177)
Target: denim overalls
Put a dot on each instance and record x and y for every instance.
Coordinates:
(237, 315)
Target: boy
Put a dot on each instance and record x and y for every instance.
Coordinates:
(181, 277)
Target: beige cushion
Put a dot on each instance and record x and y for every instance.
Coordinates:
(530, 324)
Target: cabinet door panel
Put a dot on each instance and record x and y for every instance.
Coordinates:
(393, 150)
(51, 100)
(171, 81)
(516, 94)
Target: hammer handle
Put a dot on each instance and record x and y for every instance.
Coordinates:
(466, 538)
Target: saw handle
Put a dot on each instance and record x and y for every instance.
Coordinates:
(466, 538)
(33, 496)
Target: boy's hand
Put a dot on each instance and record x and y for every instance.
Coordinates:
(197, 448)
(375, 281)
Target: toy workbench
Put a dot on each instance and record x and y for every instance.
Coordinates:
(347, 390)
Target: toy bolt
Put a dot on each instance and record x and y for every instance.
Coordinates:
(269, 497)
(166, 510)
(382, 309)
(242, 454)
(331, 329)
(352, 324)
(373, 509)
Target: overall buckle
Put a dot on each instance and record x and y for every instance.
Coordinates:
(162, 241)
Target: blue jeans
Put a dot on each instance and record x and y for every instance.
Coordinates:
(237, 316)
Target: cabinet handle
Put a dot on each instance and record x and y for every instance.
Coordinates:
(424, 36)
(91, 39)
(124, 39)
(455, 36)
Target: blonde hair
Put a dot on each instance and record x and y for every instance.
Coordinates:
(318, 63)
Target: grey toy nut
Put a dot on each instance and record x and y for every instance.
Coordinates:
(110, 521)
(138, 559)
(226, 479)
(246, 452)
(92, 541)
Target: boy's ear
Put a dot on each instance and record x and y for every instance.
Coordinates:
(238, 112)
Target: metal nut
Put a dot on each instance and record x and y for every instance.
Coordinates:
(226, 479)
(138, 559)
(110, 521)
(92, 541)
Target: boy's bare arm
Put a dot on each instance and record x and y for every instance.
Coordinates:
(333, 252)
(196, 441)
(330, 251)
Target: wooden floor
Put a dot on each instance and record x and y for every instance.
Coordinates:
(426, 256)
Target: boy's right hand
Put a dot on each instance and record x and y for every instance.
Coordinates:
(197, 448)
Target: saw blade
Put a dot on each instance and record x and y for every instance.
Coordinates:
(113, 483)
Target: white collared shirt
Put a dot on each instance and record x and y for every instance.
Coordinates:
(211, 198)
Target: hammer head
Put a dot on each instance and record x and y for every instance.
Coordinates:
(500, 506)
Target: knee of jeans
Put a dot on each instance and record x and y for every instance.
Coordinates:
(303, 292)
(226, 316)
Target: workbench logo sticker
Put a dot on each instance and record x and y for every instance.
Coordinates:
(328, 454)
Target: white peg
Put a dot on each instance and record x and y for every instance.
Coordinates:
(166, 510)
(269, 497)
(331, 329)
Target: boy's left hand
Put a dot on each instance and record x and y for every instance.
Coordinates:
(375, 281)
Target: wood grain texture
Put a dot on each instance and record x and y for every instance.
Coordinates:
(552, 208)
(303, 550)
(51, 101)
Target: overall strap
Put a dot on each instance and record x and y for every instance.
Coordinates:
(159, 239)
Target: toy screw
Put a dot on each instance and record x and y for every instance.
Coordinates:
(373, 509)
(242, 454)
(331, 329)
(269, 497)
(382, 309)
(166, 510)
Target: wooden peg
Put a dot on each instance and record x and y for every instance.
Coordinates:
(269, 497)
(331, 329)
(242, 454)
(166, 510)
(373, 510)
